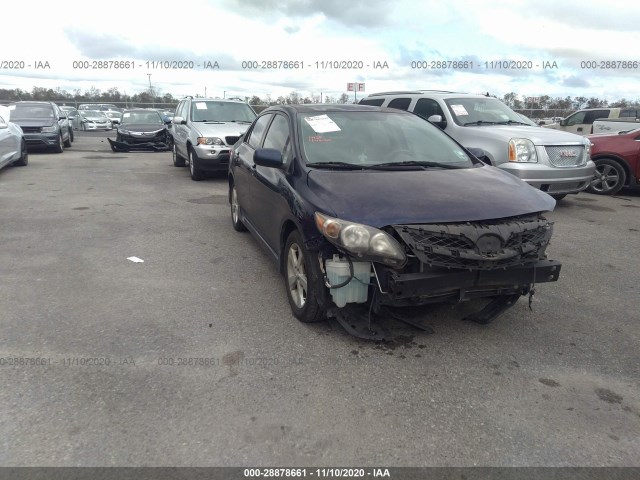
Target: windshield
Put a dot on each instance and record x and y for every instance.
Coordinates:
(142, 118)
(22, 111)
(479, 111)
(370, 139)
(92, 113)
(212, 111)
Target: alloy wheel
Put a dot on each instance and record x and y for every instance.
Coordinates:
(605, 178)
(297, 275)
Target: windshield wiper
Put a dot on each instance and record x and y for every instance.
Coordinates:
(236, 121)
(511, 122)
(337, 165)
(479, 122)
(411, 163)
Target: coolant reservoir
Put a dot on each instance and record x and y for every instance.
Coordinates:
(353, 292)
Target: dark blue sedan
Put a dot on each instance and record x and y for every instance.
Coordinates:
(363, 205)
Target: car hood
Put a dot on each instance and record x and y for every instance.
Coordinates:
(33, 122)
(381, 198)
(221, 129)
(538, 135)
(95, 119)
(141, 127)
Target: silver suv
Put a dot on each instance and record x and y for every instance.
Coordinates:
(556, 162)
(204, 130)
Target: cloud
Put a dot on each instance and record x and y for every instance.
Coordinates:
(361, 13)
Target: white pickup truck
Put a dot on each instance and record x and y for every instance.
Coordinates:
(614, 125)
(582, 121)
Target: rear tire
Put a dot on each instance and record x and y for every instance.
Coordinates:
(178, 161)
(67, 142)
(194, 168)
(303, 281)
(238, 226)
(609, 177)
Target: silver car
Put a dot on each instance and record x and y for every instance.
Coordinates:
(555, 162)
(13, 148)
(95, 120)
(204, 130)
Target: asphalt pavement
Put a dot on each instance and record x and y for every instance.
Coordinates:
(192, 357)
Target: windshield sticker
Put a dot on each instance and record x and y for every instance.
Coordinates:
(322, 124)
(126, 115)
(459, 110)
(201, 106)
(319, 139)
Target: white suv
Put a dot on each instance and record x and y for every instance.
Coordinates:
(204, 130)
(555, 162)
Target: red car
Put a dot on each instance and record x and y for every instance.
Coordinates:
(617, 159)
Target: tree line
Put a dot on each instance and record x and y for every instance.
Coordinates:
(536, 106)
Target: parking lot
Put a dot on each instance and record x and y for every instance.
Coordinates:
(192, 358)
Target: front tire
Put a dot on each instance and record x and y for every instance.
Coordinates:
(238, 226)
(67, 142)
(559, 197)
(59, 148)
(23, 161)
(609, 177)
(303, 281)
(194, 168)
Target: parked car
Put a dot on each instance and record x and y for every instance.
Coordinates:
(614, 125)
(582, 121)
(94, 120)
(114, 116)
(141, 129)
(43, 124)
(101, 107)
(617, 159)
(73, 115)
(13, 147)
(555, 162)
(203, 131)
(359, 204)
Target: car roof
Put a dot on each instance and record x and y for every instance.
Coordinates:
(430, 93)
(209, 99)
(330, 107)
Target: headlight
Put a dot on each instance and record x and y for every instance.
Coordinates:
(52, 129)
(361, 240)
(209, 141)
(522, 150)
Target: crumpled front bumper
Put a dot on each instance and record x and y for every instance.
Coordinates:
(127, 147)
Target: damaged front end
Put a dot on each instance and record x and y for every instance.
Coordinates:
(158, 141)
(450, 262)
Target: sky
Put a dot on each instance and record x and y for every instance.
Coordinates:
(334, 42)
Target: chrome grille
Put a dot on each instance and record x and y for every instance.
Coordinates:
(566, 155)
(31, 129)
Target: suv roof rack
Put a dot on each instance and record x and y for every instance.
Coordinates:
(409, 92)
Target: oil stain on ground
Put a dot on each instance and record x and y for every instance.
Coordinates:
(608, 396)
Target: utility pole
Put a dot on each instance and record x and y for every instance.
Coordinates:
(153, 97)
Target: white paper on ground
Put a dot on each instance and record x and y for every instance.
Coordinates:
(135, 259)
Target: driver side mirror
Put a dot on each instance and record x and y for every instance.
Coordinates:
(268, 157)
(563, 123)
(438, 121)
(179, 121)
(480, 154)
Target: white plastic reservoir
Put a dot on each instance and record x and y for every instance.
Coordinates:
(353, 292)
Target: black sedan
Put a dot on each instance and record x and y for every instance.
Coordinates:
(141, 130)
(359, 204)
